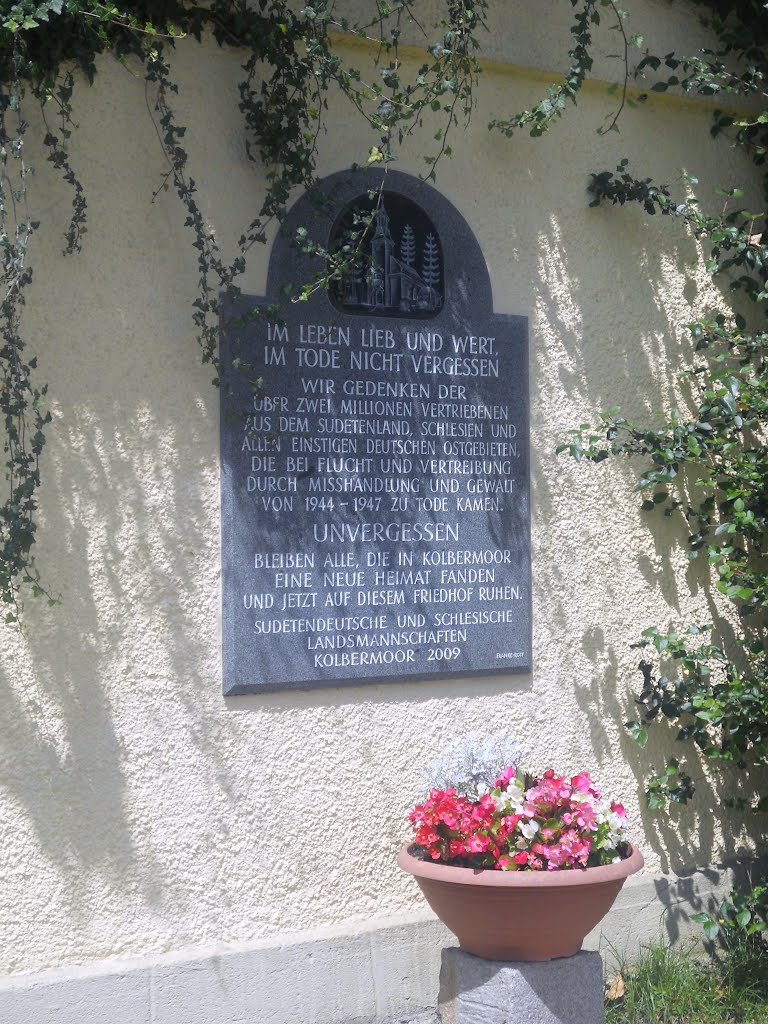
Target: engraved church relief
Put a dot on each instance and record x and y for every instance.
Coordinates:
(400, 271)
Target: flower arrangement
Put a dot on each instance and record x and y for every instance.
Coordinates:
(521, 823)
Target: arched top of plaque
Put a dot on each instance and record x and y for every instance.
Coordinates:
(419, 260)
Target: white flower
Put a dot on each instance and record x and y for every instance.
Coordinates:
(528, 828)
(511, 800)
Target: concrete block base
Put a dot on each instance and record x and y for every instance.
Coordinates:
(478, 991)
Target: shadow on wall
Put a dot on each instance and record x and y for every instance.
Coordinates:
(89, 691)
(641, 376)
(575, 321)
(115, 731)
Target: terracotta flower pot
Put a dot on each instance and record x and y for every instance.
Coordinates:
(519, 915)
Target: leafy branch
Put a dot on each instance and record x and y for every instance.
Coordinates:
(540, 118)
(21, 401)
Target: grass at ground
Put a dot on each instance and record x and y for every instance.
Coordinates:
(672, 986)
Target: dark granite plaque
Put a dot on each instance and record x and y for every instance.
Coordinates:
(375, 494)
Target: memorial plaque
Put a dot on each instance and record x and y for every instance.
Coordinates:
(375, 493)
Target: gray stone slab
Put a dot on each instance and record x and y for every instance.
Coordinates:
(478, 991)
(406, 968)
(375, 494)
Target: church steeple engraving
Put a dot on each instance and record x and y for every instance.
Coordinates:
(399, 272)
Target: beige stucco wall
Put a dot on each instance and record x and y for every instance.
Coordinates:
(141, 812)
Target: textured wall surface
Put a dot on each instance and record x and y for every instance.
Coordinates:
(141, 812)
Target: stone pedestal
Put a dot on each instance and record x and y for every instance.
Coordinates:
(478, 991)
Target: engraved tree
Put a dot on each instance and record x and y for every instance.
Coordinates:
(430, 272)
(408, 246)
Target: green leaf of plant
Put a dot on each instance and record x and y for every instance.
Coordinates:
(743, 917)
(637, 732)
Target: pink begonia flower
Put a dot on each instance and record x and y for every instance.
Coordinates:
(506, 775)
(618, 809)
(478, 843)
(582, 781)
(584, 816)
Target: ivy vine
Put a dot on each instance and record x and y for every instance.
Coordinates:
(49, 47)
(709, 464)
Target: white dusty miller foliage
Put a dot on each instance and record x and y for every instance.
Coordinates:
(472, 764)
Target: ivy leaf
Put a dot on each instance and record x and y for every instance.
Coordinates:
(637, 732)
